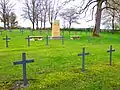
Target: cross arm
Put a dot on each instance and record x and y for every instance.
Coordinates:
(19, 62)
(28, 38)
(83, 54)
(6, 38)
(29, 61)
(111, 50)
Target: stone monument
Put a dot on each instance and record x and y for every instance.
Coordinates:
(55, 29)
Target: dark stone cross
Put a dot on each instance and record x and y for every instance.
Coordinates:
(89, 39)
(22, 30)
(101, 39)
(23, 62)
(86, 30)
(47, 40)
(62, 36)
(110, 38)
(28, 38)
(63, 32)
(1, 32)
(10, 30)
(7, 40)
(80, 32)
(40, 31)
(31, 30)
(48, 31)
(62, 40)
(111, 54)
(83, 59)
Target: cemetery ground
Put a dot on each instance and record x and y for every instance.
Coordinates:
(57, 66)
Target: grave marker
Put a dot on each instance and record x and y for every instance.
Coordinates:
(48, 31)
(7, 40)
(81, 32)
(83, 59)
(101, 40)
(31, 30)
(86, 30)
(89, 39)
(10, 30)
(40, 31)
(62, 40)
(63, 32)
(24, 62)
(47, 40)
(110, 37)
(22, 31)
(56, 29)
(110, 51)
(28, 38)
(1, 32)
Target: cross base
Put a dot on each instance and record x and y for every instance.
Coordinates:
(55, 37)
(24, 86)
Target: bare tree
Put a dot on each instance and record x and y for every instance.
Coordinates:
(13, 22)
(37, 15)
(55, 6)
(30, 10)
(5, 8)
(45, 12)
(70, 15)
(110, 18)
(42, 10)
(99, 5)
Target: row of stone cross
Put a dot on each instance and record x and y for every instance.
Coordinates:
(83, 54)
(28, 39)
(21, 30)
(2, 31)
(83, 57)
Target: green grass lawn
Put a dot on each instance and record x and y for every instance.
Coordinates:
(57, 66)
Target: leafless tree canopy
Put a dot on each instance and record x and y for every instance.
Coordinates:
(5, 9)
(70, 15)
(42, 11)
(99, 5)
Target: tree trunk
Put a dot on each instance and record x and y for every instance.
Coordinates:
(4, 25)
(51, 25)
(4, 16)
(69, 24)
(33, 23)
(8, 26)
(33, 26)
(33, 12)
(44, 24)
(8, 23)
(51, 21)
(96, 30)
(44, 21)
(41, 25)
(37, 24)
(113, 25)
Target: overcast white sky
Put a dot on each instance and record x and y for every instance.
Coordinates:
(27, 23)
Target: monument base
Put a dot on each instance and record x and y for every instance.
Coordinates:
(57, 37)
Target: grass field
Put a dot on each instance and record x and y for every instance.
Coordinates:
(57, 66)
